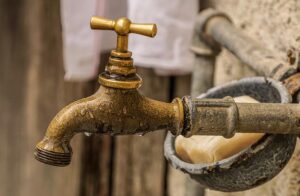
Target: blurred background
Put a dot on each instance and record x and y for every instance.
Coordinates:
(33, 89)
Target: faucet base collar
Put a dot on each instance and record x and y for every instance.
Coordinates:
(120, 82)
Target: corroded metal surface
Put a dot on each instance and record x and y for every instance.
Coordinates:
(217, 29)
(293, 83)
(212, 117)
(245, 170)
(109, 111)
(252, 166)
(225, 117)
(201, 23)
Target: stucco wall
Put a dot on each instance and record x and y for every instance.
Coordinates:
(276, 25)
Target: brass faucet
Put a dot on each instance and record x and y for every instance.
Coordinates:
(117, 107)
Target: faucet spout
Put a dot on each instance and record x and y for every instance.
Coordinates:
(109, 111)
(55, 147)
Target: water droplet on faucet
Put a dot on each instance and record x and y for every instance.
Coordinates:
(88, 134)
(82, 112)
(140, 134)
(124, 110)
(91, 114)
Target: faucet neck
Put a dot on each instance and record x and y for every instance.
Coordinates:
(122, 43)
(120, 72)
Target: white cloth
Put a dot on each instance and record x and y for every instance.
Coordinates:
(81, 47)
(168, 53)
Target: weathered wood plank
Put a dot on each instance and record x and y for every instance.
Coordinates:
(96, 166)
(32, 92)
(139, 167)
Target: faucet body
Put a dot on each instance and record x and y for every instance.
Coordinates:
(117, 107)
(109, 111)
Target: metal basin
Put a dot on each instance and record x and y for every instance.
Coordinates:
(253, 166)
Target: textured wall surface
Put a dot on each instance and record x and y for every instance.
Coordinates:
(275, 24)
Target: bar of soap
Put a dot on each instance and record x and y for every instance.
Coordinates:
(210, 149)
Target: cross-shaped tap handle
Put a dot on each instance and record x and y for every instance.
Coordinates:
(123, 26)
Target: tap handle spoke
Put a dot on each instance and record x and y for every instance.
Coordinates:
(123, 26)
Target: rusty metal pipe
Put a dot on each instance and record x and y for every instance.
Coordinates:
(225, 117)
(268, 118)
(216, 28)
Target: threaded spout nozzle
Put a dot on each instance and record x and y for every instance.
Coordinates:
(53, 158)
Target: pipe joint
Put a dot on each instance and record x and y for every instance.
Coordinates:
(211, 117)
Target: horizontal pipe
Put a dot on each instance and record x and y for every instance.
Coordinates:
(225, 117)
(273, 118)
